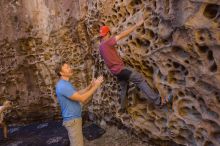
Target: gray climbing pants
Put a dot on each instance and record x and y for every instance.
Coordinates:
(136, 78)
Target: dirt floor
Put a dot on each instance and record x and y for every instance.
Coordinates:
(52, 133)
(116, 137)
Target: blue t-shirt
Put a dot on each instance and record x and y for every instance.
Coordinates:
(70, 109)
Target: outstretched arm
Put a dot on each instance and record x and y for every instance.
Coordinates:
(128, 31)
(83, 97)
(82, 91)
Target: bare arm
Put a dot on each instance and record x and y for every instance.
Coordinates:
(87, 88)
(84, 90)
(128, 31)
(83, 97)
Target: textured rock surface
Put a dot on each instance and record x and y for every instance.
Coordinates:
(177, 50)
(30, 47)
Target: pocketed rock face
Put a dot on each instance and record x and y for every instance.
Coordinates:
(177, 50)
(28, 77)
(34, 36)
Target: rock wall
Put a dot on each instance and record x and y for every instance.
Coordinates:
(176, 49)
(34, 36)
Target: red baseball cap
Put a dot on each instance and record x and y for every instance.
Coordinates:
(104, 30)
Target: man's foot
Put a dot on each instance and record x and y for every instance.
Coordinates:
(164, 101)
(167, 99)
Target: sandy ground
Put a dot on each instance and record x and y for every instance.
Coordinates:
(115, 137)
(52, 133)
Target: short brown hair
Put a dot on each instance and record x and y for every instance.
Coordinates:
(58, 67)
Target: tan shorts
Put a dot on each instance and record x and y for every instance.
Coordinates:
(74, 128)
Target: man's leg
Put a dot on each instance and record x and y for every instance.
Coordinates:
(5, 130)
(123, 93)
(74, 128)
(138, 80)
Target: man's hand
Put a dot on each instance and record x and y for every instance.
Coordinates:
(92, 83)
(98, 81)
(84, 95)
(129, 30)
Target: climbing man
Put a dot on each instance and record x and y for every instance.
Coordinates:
(6, 105)
(117, 67)
(69, 99)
